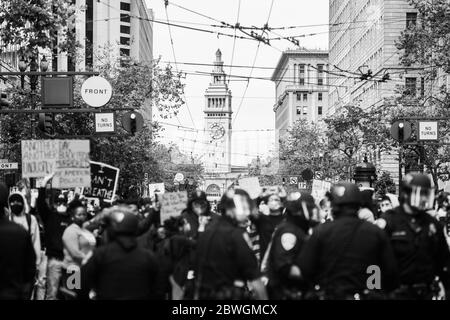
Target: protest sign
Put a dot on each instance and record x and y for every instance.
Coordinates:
(156, 188)
(319, 188)
(172, 204)
(104, 179)
(251, 185)
(68, 159)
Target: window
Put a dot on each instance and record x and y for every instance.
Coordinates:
(301, 76)
(320, 81)
(215, 165)
(223, 154)
(124, 18)
(410, 84)
(125, 29)
(299, 110)
(305, 97)
(125, 41)
(411, 19)
(124, 6)
(305, 111)
(319, 110)
(124, 52)
(299, 96)
(320, 68)
(320, 97)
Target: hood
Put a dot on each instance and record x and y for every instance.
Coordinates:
(127, 243)
(25, 203)
(198, 195)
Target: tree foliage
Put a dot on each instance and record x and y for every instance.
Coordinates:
(33, 24)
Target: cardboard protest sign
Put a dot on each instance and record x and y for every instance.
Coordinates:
(172, 204)
(104, 180)
(251, 185)
(319, 188)
(69, 159)
(156, 188)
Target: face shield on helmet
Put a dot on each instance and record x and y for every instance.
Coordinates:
(421, 198)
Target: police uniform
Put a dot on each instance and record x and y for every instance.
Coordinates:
(339, 253)
(287, 243)
(225, 261)
(421, 250)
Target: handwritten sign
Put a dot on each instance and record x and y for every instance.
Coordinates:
(104, 179)
(69, 159)
(319, 189)
(251, 185)
(428, 130)
(172, 204)
(156, 188)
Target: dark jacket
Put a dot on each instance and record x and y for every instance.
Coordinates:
(54, 225)
(287, 243)
(224, 255)
(17, 260)
(121, 270)
(419, 246)
(338, 254)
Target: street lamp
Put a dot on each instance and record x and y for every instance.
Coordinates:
(44, 64)
(22, 68)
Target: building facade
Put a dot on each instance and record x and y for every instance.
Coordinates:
(108, 30)
(301, 88)
(363, 35)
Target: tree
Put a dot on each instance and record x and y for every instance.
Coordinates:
(352, 131)
(384, 183)
(302, 148)
(33, 25)
(426, 46)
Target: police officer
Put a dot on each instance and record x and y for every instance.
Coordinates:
(417, 239)
(288, 239)
(347, 257)
(121, 270)
(225, 260)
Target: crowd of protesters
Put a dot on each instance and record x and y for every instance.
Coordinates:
(277, 246)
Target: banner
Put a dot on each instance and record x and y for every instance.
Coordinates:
(69, 159)
(156, 188)
(104, 180)
(172, 204)
(251, 185)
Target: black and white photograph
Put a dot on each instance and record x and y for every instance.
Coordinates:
(244, 152)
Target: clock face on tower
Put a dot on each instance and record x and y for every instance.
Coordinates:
(217, 131)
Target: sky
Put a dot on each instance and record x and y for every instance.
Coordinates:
(255, 110)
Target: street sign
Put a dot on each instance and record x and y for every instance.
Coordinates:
(401, 130)
(9, 166)
(302, 185)
(132, 121)
(179, 177)
(293, 180)
(105, 122)
(57, 92)
(96, 91)
(428, 131)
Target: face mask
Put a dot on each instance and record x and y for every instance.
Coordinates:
(61, 208)
(274, 205)
(16, 209)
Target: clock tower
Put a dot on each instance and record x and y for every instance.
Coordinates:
(218, 113)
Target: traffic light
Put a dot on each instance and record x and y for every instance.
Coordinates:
(401, 132)
(4, 102)
(46, 122)
(133, 127)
